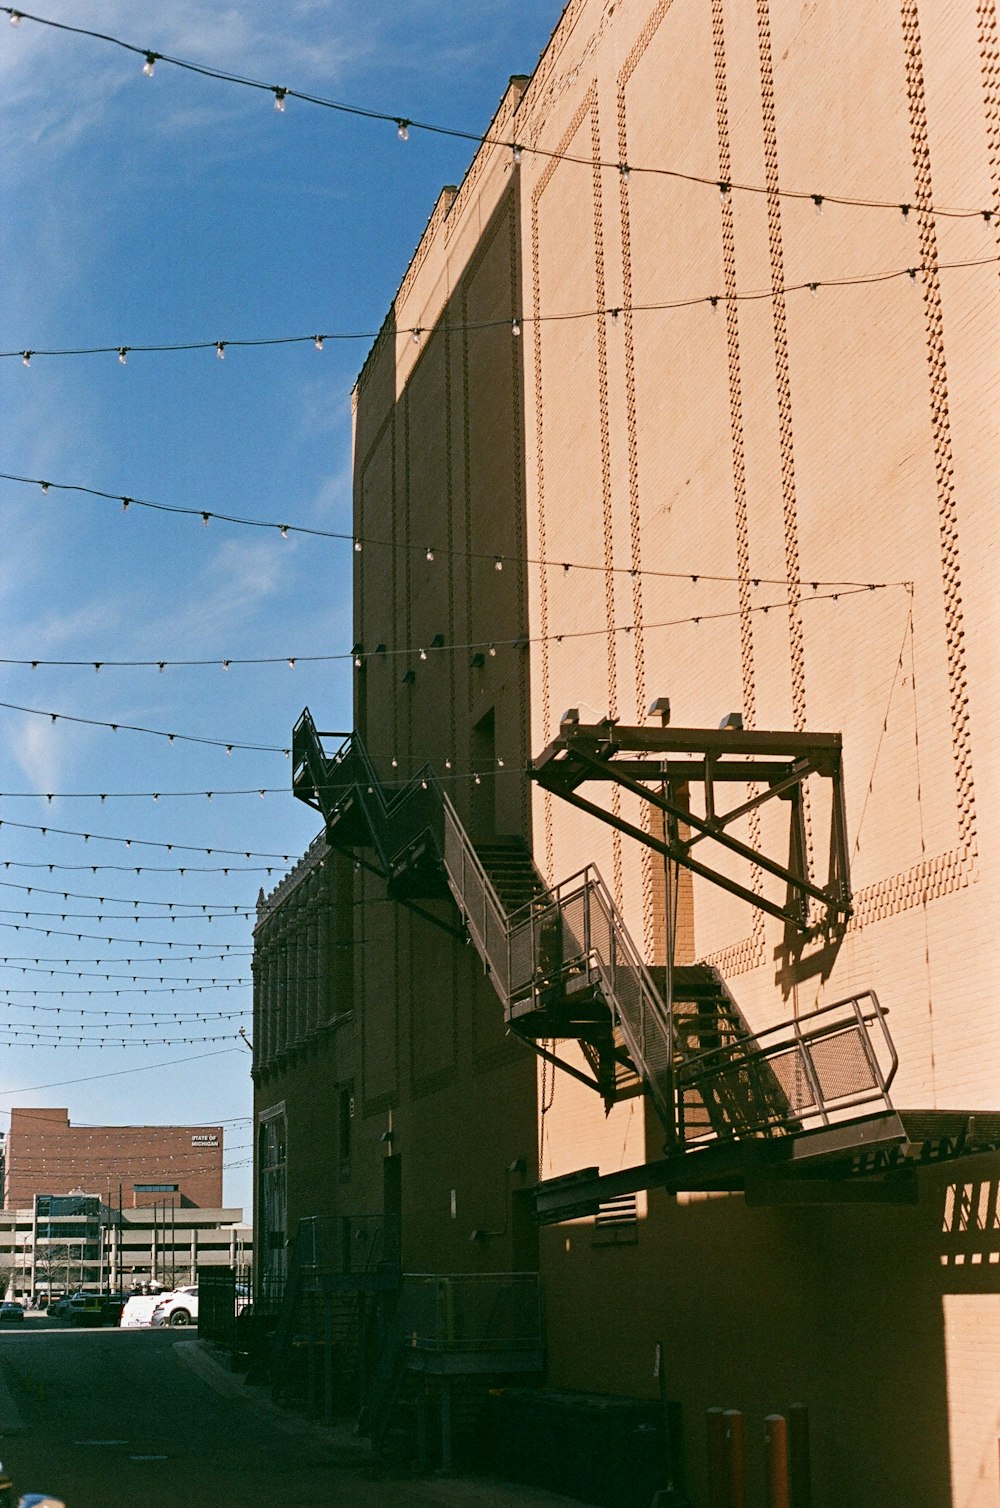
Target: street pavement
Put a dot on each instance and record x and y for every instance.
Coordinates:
(142, 1419)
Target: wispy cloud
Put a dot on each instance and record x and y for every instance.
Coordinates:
(38, 750)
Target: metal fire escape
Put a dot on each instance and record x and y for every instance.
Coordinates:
(805, 1102)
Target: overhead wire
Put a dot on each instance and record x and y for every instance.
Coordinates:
(116, 727)
(429, 550)
(515, 322)
(92, 1078)
(405, 124)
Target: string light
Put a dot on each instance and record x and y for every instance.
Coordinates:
(429, 553)
(414, 333)
(517, 152)
(404, 125)
(149, 66)
(515, 326)
(318, 342)
(122, 354)
(279, 99)
(138, 728)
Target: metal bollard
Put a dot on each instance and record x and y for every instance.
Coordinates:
(776, 1456)
(799, 1469)
(718, 1478)
(736, 1459)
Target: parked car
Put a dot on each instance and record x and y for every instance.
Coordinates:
(95, 1308)
(138, 1310)
(177, 1308)
(59, 1308)
(11, 1313)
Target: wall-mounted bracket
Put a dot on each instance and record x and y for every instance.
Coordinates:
(661, 765)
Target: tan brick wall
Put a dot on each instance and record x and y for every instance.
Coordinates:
(677, 479)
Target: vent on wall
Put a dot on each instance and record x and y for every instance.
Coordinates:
(617, 1221)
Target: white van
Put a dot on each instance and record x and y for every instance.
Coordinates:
(138, 1310)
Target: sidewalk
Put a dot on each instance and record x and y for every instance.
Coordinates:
(429, 1490)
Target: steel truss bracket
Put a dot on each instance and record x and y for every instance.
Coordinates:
(661, 765)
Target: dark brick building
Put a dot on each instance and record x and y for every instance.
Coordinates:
(138, 1164)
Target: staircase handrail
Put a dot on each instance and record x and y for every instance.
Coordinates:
(751, 1052)
(524, 950)
(654, 1011)
(483, 912)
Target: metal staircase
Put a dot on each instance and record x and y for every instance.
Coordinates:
(564, 967)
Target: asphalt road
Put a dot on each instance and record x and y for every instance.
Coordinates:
(141, 1419)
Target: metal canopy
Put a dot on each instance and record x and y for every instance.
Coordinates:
(660, 765)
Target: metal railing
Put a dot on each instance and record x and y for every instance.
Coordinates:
(346, 1243)
(471, 1312)
(575, 932)
(725, 1083)
(482, 910)
(829, 1063)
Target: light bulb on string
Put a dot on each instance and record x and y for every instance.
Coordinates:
(16, 18)
(430, 552)
(904, 210)
(123, 354)
(724, 188)
(818, 201)
(403, 130)
(284, 531)
(318, 342)
(45, 486)
(26, 358)
(517, 152)
(220, 349)
(357, 547)
(279, 100)
(149, 65)
(624, 170)
(415, 335)
(515, 326)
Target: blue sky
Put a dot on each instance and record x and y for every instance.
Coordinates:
(179, 209)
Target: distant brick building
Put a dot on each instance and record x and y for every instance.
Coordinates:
(136, 1166)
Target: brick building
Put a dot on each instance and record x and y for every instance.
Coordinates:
(134, 1165)
(685, 413)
